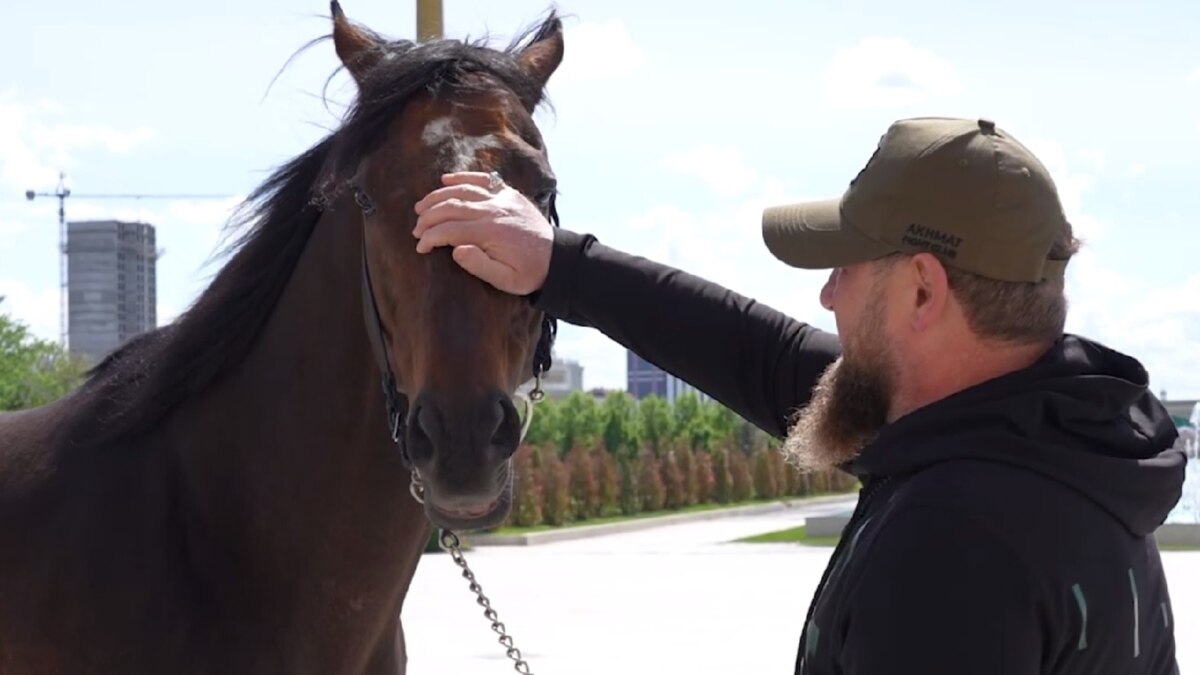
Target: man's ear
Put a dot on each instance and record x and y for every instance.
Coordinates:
(930, 289)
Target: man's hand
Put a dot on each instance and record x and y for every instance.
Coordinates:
(500, 237)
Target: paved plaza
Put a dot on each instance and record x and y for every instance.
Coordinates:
(676, 599)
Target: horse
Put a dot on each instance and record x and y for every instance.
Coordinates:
(249, 489)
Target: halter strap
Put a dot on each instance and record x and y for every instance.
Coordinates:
(395, 402)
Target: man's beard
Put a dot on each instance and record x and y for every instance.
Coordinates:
(849, 404)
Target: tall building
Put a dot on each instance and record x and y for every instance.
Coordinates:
(643, 379)
(111, 284)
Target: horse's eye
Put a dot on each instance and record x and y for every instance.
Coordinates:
(544, 197)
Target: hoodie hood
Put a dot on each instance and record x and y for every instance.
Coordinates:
(1082, 415)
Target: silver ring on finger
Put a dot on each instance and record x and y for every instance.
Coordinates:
(495, 182)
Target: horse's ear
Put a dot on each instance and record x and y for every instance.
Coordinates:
(357, 48)
(542, 56)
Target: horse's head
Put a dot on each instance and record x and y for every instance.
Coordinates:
(458, 348)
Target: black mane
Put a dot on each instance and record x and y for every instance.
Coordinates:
(148, 376)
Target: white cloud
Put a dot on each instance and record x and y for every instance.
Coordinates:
(599, 51)
(19, 218)
(10, 229)
(888, 71)
(723, 169)
(196, 212)
(65, 137)
(1095, 157)
(1072, 185)
(36, 308)
(1160, 326)
(1193, 76)
(1136, 170)
(165, 313)
(21, 165)
(32, 151)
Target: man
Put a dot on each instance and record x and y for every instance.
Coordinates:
(1013, 475)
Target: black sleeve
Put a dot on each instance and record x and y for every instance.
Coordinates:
(941, 595)
(751, 358)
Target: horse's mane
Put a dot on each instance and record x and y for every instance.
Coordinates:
(150, 375)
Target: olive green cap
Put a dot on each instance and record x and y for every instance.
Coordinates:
(961, 189)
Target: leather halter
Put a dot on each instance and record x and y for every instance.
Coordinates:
(397, 403)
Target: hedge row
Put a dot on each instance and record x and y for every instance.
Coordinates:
(591, 482)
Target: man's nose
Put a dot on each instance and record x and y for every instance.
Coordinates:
(830, 287)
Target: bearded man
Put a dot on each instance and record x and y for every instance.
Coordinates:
(1013, 474)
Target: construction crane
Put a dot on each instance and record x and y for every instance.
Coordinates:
(62, 192)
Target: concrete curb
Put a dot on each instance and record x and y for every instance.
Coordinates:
(589, 531)
(827, 526)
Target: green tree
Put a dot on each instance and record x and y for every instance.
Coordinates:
(696, 423)
(33, 371)
(723, 420)
(544, 426)
(655, 420)
(579, 421)
(688, 413)
(621, 432)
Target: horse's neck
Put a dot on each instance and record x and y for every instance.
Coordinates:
(295, 482)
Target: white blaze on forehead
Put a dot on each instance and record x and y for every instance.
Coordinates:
(463, 150)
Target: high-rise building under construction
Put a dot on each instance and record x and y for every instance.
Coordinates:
(111, 284)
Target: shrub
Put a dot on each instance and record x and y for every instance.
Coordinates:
(585, 493)
(556, 490)
(650, 483)
(722, 476)
(527, 490)
(608, 479)
(766, 485)
(842, 481)
(793, 480)
(685, 459)
(702, 469)
(739, 471)
(631, 495)
(674, 482)
(819, 482)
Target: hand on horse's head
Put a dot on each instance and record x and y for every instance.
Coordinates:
(500, 237)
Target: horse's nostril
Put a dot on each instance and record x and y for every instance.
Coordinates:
(422, 431)
(507, 430)
(497, 422)
(427, 421)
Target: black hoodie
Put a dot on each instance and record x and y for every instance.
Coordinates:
(1006, 529)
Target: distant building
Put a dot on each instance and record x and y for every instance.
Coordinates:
(565, 376)
(111, 284)
(600, 393)
(643, 379)
(1181, 411)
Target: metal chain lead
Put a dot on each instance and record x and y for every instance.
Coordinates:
(449, 542)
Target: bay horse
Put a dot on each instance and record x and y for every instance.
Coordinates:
(230, 494)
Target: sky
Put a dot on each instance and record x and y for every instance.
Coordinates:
(673, 125)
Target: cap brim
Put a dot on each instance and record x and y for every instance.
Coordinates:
(812, 235)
